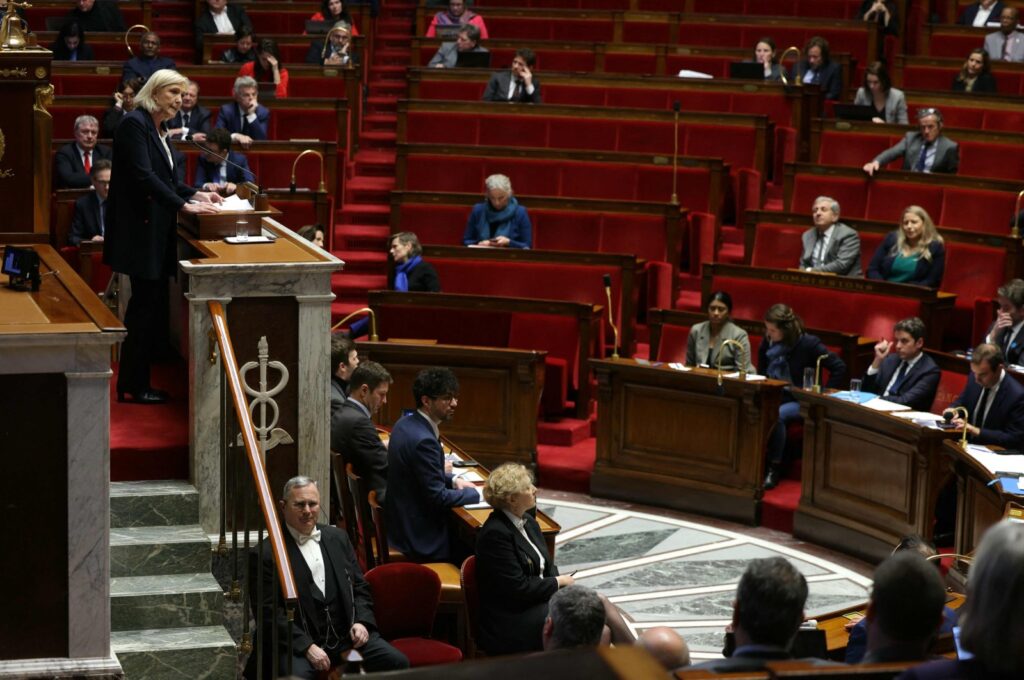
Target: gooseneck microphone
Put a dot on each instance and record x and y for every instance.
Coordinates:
(611, 316)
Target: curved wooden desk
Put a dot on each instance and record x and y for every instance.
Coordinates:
(980, 504)
(676, 439)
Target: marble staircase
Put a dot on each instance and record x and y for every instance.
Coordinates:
(166, 608)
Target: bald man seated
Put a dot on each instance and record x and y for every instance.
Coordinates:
(667, 646)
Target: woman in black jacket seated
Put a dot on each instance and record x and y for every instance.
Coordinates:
(410, 273)
(785, 353)
(976, 74)
(70, 44)
(912, 254)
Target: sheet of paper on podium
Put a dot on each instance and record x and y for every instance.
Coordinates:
(996, 462)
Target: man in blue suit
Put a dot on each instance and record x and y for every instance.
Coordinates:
(219, 168)
(421, 488)
(245, 118)
(994, 401)
(907, 375)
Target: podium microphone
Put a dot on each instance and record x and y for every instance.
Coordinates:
(611, 317)
(293, 186)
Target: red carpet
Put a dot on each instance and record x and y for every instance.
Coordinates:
(779, 505)
(151, 442)
(566, 468)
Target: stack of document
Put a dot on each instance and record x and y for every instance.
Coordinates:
(1008, 468)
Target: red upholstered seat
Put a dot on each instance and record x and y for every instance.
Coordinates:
(405, 599)
(673, 343)
(888, 199)
(974, 273)
(558, 337)
(869, 242)
(977, 210)
(472, 600)
(839, 148)
(777, 245)
(976, 160)
(951, 384)
(851, 193)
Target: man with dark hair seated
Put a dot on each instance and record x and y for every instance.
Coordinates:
(766, 615)
(149, 62)
(344, 359)
(97, 16)
(994, 401)
(447, 55)
(219, 168)
(576, 618)
(907, 375)
(516, 84)
(87, 223)
(353, 434)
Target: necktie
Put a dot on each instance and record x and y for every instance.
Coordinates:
(919, 166)
(979, 416)
(900, 375)
(1006, 49)
(103, 213)
(184, 119)
(313, 536)
(87, 161)
(517, 92)
(819, 249)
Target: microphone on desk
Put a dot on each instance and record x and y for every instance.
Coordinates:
(676, 107)
(245, 171)
(611, 317)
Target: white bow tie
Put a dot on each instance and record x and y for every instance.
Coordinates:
(313, 535)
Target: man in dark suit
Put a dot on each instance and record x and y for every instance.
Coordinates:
(517, 84)
(830, 246)
(447, 55)
(994, 401)
(192, 121)
(220, 18)
(73, 162)
(344, 360)
(989, 9)
(352, 432)
(907, 376)
(421, 488)
(766, 615)
(95, 16)
(149, 62)
(335, 606)
(244, 118)
(576, 618)
(219, 168)
(926, 150)
(817, 68)
(1005, 331)
(87, 222)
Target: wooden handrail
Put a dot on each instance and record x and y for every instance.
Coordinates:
(259, 475)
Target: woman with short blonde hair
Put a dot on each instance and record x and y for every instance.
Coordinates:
(165, 77)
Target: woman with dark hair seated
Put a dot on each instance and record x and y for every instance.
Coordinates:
(243, 52)
(912, 254)
(764, 54)
(704, 344)
(976, 75)
(70, 44)
(334, 11)
(889, 103)
(267, 67)
(784, 355)
(314, 233)
(124, 101)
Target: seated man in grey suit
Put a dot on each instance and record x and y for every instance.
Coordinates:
(516, 84)
(926, 150)
(766, 615)
(1006, 44)
(352, 432)
(908, 375)
(447, 55)
(830, 246)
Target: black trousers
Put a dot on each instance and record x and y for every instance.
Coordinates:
(146, 321)
(377, 655)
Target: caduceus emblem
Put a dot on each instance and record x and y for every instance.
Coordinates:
(263, 399)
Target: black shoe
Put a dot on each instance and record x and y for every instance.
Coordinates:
(144, 397)
(771, 480)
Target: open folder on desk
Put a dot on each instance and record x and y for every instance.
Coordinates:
(996, 462)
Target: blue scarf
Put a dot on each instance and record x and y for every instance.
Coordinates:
(402, 273)
(778, 362)
(498, 220)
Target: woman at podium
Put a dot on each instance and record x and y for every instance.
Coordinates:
(704, 345)
(141, 221)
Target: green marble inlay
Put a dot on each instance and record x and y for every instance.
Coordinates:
(165, 601)
(159, 550)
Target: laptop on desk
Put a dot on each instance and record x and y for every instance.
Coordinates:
(746, 70)
(854, 112)
(473, 60)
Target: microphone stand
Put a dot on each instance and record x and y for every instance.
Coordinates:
(293, 186)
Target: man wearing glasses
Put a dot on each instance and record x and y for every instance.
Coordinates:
(926, 150)
(87, 223)
(421, 487)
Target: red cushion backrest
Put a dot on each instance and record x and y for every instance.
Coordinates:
(951, 384)
(673, 343)
(436, 224)
(405, 599)
(849, 192)
(460, 327)
(454, 90)
(440, 128)
(715, 66)
(617, 62)
(976, 160)
(973, 271)
(640, 235)
(579, 96)
(958, 117)
(471, 592)
(929, 77)
(887, 200)
(777, 245)
(977, 210)
(557, 335)
(839, 148)
(630, 98)
(944, 44)
(776, 106)
(560, 230)
(440, 173)
(514, 131)
(733, 144)
(548, 28)
(1003, 121)
(869, 242)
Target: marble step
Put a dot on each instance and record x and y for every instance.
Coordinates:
(147, 551)
(197, 653)
(158, 503)
(164, 601)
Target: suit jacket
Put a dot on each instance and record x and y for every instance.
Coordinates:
(143, 204)
(103, 17)
(742, 661)
(1012, 354)
(830, 78)
(953, 669)
(68, 171)
(895, 104)
(497, 89)
(1004, 425)
(230, 118)
(995, 44)
(316, 49)
(422, 279)
(514, 592)
(985, 82)
(842, 256)
(208, 172)
(918, 387)
(419, 492)
(448, 55)
(86, 222)
(199, 121)
(928, 272)
(967, 18)
(947, 153)
(205, 23)
(355, 438)
(699, 341)
(804, 354)
(143, 68)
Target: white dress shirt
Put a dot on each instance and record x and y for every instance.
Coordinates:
(222, 22)
(910, 366)
(310, 550)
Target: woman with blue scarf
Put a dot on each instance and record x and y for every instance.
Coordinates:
(498, 222)
(784, 354)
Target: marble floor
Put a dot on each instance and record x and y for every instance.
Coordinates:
(669, 569)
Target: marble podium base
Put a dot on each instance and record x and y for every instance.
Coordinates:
(100, 668)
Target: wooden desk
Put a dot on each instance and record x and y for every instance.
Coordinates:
(978, 505)
(675, 439)
(869, 478)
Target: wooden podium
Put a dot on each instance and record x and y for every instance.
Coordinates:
(677, 439)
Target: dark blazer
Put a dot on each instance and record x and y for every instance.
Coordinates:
(419, 492)
(86, 222)
(967, 18)
(830, 78)
(497, 89)
(205, 24)
(339, 393)
(316, 48)
(145, 197)
(953, 669)
(62, 53)
(928, 272)
(918, 387)
(804, 354)
(422, 279)
(230, 118)
(143, 68)
(985, 82)
(208, 172)
(745, 662)
(514, 593)
(68, 171)
(1012, 354)
(1004, 425)
(199, 121)
(111, 119)
(103, 17)
(857, 646)
(355, 438)
(947, 153)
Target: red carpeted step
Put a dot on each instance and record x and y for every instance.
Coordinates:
(361, 236)
(387, 72)
(376, 162)
(369, 189)
(381, 104)
(566, 468)
(731, 253)
(342, 308)
(775, 205)
(364, 213)
(365, 261)
(151, 441)
(562, 432)
(380, 122)
(732, 234)
(688, 300)
(354, 286)
(378, 140)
